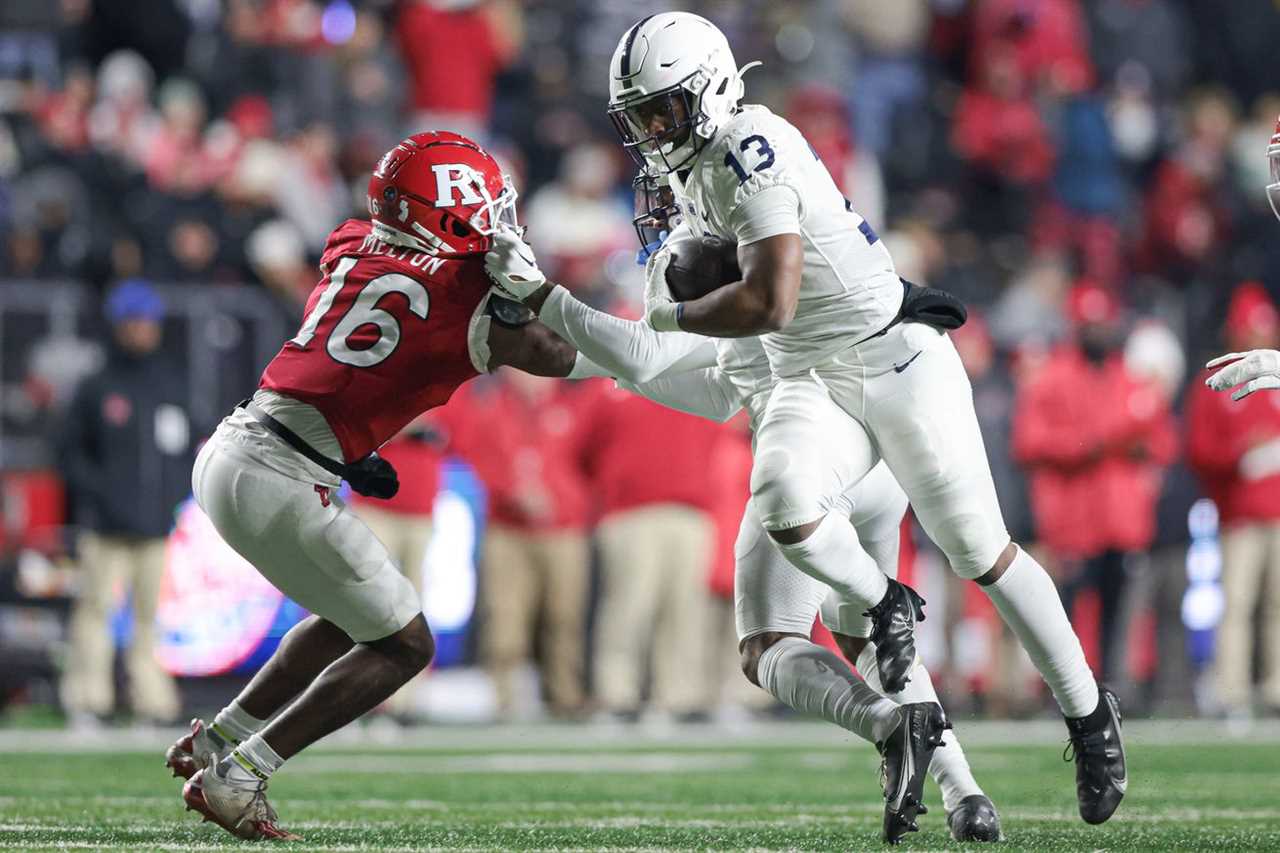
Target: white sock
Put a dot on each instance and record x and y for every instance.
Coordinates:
(949, 768)
(253, 761)
(816, 682)
(1029, 604)
(234, 725)
(833, 555)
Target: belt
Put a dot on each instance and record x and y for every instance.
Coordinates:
(291, 438)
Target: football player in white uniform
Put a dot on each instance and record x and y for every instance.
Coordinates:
(837, 324)
(775, 603)
(1259, 369)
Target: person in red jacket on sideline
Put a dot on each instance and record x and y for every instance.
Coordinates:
(655, 491)
(1235, 450)
(518, 433)
(1094, 440)
(453, 52)
(403, 523)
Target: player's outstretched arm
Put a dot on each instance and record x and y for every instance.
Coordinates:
(626, 349)
(532, 347)
(764, 301)
(1256, 370)
(706, 393)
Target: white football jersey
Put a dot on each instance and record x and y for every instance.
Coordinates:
(849, 289)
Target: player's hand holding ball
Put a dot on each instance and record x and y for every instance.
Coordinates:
(659, 307)
(511, 265)
(1257, 370)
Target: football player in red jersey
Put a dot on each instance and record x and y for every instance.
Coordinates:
(1259, 369)
(403, 314)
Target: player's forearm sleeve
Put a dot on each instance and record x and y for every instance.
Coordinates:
(706, 393)
(626, 349)
(585, 368)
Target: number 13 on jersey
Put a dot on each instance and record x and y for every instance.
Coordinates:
(757, 145)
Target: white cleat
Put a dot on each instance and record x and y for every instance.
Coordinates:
(196, 751)
(241, 810)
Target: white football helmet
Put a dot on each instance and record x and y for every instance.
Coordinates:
(1273, 155)
(673, 83)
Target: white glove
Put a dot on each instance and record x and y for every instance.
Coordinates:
(511, 266)
(659, 308)
(1258, 370)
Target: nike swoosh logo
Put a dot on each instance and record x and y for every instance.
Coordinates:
(667, 64)
(907, 771)
(529, 261)
(898, 368)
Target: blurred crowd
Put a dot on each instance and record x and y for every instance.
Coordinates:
(1087, 176)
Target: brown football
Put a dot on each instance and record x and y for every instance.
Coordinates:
(699, 265)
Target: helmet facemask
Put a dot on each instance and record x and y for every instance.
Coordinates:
(656, 213)
(1273, 188)
(660, 130)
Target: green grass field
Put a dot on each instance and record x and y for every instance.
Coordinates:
(782, 786)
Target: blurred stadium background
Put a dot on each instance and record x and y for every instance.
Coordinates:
(1087, 174)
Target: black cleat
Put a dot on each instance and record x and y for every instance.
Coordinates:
(975, 819)
(905, 756)
(1102, 774)
(893, 625)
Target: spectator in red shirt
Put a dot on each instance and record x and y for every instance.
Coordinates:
(998, 126)
(1235, 451)
(517, 431)
(403, 523)
(1094, 439)
(1048, 39)
(1187, 213)
(453, 51)
(654, 488)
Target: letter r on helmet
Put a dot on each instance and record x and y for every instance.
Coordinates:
(451, 176)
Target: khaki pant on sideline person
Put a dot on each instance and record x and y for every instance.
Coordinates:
(654, 603)
(524, 575)
(406, 537)
(1250, 571)
(106, 564)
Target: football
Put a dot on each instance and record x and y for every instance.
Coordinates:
(699, 265)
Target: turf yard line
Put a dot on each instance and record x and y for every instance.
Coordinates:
(561, 738)
(514, 762)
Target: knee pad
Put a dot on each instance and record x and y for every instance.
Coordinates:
(972, 543)
(782, 495)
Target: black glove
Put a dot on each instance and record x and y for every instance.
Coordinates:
(373, 477)
(932, 307)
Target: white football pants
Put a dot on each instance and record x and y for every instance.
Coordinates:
(312, 548)
(908, 392)
(773, 596)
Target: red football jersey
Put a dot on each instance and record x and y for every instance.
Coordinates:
(386, 336)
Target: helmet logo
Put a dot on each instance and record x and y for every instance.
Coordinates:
(451, 176)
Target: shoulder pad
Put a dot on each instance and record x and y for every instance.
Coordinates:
(508, 312)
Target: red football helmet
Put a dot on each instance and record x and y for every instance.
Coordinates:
(441, 193)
